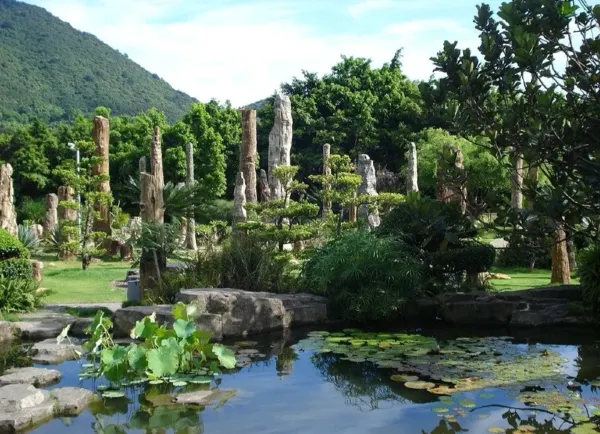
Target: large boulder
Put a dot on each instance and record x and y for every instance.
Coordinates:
(8, 332)
(70, 401)
(34, 376)
(48, 352)
(22, 405)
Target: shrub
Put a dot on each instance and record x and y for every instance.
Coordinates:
(218, 209)
(10, 247)
(589, 275)
(365, 277)
(167, 290)
(19, 295)
(33, 210)
(16, 269)
(14, 258)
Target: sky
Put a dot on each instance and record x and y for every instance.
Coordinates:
(242, 50)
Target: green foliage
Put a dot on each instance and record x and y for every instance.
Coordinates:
(29, 239)
(589, 276)
(472, 257)
(63, 74)
(178, 355)
(10, 247)
(216, 210)
(365, 277)
(32, 210)
(167, 290)
(19, 294)
(14, 258)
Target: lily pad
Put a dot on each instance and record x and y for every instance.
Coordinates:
(113, 394)
(496, 430)
(440, 409)
(404, 378)
(467, 403)
(419, 385)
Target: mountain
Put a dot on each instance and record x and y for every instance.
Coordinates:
(49, 69)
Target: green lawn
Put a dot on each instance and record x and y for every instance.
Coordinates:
(522, 278)
(68, 283)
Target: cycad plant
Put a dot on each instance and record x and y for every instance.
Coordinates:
(29, 239)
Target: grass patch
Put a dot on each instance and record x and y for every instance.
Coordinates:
(68, 283)
(522, 278)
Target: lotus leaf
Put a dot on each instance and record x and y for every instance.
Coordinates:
(440, 409)
(419, 385)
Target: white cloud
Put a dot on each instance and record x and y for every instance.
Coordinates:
(357, 10)
(243, 52)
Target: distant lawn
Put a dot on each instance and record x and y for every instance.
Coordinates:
(522, 278)
(68, 283)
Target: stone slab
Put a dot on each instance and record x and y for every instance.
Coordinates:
(48, 352)
(70, 401)
(35, 376)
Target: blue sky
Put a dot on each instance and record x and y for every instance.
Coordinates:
(242, 50)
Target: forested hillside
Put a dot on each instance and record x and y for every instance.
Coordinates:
(50, 70)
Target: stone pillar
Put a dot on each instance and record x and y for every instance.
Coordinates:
(368, 186)
(280, 142)
(68, 214)
(152, 209)
(239, 200)
(38, 231)
(561, 272)
(326, 172)
(8, 215)
(190, 236)
(265, 190)
(451, 177)
(248, 153)
(51, 218)
(101, 135)
(516, 183)
(37, 267)
(412, 171)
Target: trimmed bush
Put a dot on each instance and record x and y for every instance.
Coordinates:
(10, 247)
(14, 258)
(589, 275)
(365, 277)
(16, 269)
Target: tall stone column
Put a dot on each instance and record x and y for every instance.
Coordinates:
(51, 217)
(101, 135)
(67, 214)
(280, 142)
(451, 177)
(8, 215)
(190, 236)
(412, 171)
(265, 190)
(561, 271)
(368, 186)
(326, 172)
(248, 153)
(239, 200)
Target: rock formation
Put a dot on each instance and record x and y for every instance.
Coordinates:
(265, 190)
(561, 270)
(368, 186)
(516, 183)
(101, 135)
(451, 177)
(38, 231)
(280, 142)
(51, 218)
(190, 239)
(8, 215)
(412, 171)
(326, 172)
(248, 153)
(239, 200)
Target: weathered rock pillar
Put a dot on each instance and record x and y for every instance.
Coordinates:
(366, 170)
(451, 177)
(248, 153)
(280, 142)
(516, 183)
(561, 272)
(190, 236)
(51, 218)
(101, 135)
(152, 209)
(239, 200)
(8, 215)
(265, 190)
(66, 213)
(326, 172)
(412, 171)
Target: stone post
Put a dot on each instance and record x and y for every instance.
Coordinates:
(326, 172)
(412, 171)
(561, 272)
(190, 236)
(8, 215)
(248, 153)
(152, 209)
(366, 170)
(265, 190)
(101, 135)
(451, 177)
(51, 218)
(516, 183)
(239, 200)
(68, 214)
(280, 142)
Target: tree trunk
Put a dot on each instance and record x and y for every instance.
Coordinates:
(8, 215)
(190, 236)
(561, 273)
(101, 135)
(248, 155)
(326, 172)
(412, 171)
(516, 183)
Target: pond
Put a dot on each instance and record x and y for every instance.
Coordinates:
(425, 381)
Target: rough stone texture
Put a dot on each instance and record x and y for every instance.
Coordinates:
(248, 153)
(37, 266)
(239, 200)
(48, 352)
(8, 332)
(38, 231)
(451, 177)
(561, 270)
(45, 328)
(280, 142)
(51, 217)
(203, 397)
(265, 190)
(101, 136)
(8, 214)
(412, 170)
(234, 313)
(35, 376)
(326, 172)
(516, 182)
(22, 405)
(366, 170)
(70, 401)
(190, 223)
(547, 306)
(124, 319)
(66, 194)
